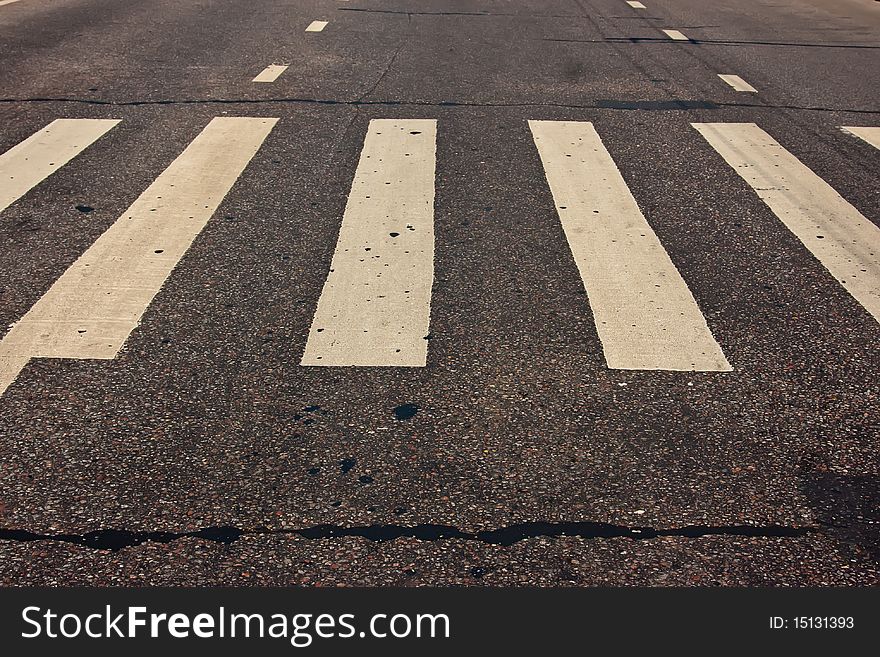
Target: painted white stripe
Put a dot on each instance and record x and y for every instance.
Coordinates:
(645, 314)
(316, 26)
(376, 304)
(7, 2)
(636, 5)
(869, 134)
(24, 166)
(843, 240)
(10, 366)
(270, 73)
(737, 83)
(90, 311)
(675, 35)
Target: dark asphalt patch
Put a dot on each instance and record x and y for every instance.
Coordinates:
(406, 411)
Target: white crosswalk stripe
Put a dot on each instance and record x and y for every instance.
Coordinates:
(840, 237)
(870, 135)
(26, 165)
(93, 307)
(376, 303)
(645, 314)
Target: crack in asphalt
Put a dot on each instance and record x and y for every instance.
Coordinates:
(717, 42)
(403, 43)
(117, 539)
(676, 105)
(454, 13)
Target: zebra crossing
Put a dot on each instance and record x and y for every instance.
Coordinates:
(375, 306)
(91, 310)
(870, 135)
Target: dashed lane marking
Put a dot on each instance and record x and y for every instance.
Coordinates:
(270, 73)
(737, 83)
(675, 35)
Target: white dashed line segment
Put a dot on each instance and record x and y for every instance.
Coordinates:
(737, 83)
(675, 35)
(270, 73)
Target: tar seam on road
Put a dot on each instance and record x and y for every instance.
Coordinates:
(674, 105)
(403, 43)
(719, 42)
(454, 13)
(117, 539)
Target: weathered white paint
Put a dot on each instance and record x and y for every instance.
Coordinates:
(30, 162)
(93, 307)
(376, 303)
(840, 237)
(646, 317)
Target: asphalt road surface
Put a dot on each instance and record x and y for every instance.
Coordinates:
(471, 292)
